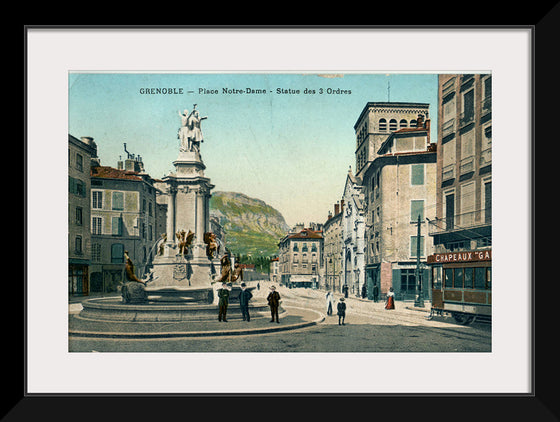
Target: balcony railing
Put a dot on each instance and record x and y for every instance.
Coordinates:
(467, 220)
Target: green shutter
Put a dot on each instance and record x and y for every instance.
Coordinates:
(71, 185)
(417, 174)
(116, 226)
(413, 245)
(118, 201)
(416, 209)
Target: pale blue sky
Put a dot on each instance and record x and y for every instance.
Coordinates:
(291, 151)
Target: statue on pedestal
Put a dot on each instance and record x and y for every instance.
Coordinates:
(190, 132)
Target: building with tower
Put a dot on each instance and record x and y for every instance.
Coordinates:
(377, 121)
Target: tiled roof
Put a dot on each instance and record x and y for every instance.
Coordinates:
(307, 234)
(113, 173)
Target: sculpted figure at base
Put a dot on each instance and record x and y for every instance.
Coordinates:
(133, 290)
(161, 247)
(184, 241)
(212, 246)
(237, 275)
(226, 269)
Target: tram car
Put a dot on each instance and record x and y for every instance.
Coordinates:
(461, 284)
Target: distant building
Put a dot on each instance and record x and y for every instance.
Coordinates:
(353, 231)
(300, 257)
(80, 155)
(274, 270)
(332, 249)
(123, 218)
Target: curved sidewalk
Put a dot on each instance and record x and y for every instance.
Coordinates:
(293, 318)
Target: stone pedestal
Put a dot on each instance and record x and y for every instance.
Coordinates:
(178, 276)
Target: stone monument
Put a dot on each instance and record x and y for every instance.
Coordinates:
(182, 267)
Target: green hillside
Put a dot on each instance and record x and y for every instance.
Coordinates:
(252, 226)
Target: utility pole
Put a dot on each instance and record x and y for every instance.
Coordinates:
(419, 301)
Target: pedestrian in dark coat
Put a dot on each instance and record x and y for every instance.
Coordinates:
(223, 302)
(375, 293)
(274, 302)
(244, 298)
(341, 311)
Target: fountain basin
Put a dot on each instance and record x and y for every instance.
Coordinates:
(113, 309)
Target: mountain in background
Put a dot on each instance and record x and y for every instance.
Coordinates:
(252, 226)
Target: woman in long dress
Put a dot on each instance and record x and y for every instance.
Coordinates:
(390, 303)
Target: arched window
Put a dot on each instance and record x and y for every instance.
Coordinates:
(403, 123)
(413, 123)
(392, 125)
(382, 125)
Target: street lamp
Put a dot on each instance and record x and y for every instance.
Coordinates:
(419, 301)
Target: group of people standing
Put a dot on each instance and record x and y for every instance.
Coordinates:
(273, 300)
(245, 296)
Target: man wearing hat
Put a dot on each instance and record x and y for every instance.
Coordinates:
(244, 298)
(341, 310)
(223, 302)
(274, 302)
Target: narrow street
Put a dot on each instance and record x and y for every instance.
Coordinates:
(368, 328)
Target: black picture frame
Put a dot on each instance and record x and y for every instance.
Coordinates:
(540, 405)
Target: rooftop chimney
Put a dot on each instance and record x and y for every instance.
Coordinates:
(420, 121)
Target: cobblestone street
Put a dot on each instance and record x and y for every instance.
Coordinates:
(368, 328)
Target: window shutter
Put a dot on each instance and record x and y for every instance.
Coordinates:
(417, 174)
(416, 209)
(116, 223)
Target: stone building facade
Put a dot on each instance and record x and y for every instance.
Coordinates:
(81, 152)
(464, 176)
(123, 218)
(300, 257)
(353, 231)
(376, 121)
(332, 249)
(463, 221)
(399, 187)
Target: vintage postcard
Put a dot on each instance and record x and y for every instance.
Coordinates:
(292, 212)
(328, 203)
